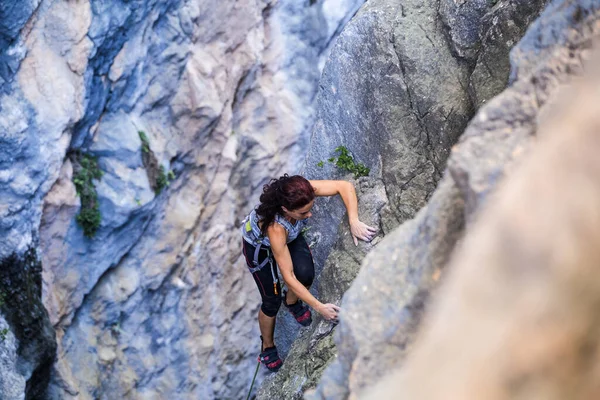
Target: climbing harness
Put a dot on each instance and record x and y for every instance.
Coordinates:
(258, 243)
(253, 235)
(258, 266)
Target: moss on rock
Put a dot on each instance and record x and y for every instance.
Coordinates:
(157, 176)
(86, 170)
(21, 286)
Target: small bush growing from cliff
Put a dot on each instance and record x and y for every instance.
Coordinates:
(345, 162)
(86, 170)
(158, 177)
(145, 141)
(161, 180)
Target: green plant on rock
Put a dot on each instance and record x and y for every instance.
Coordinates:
(89, 219)
(320, 164)
(86, 171)
(345, 162)
(157, 175)
(145, 141)
(162, 181)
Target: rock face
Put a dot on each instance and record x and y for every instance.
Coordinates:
(188, 107)
(396, 93)
(518, 296)
(27, 338)
(383, 308)
(158, 301)
(399, 87)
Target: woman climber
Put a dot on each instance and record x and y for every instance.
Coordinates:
(272, 238)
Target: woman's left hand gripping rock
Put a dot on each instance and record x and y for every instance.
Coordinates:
(362, 231)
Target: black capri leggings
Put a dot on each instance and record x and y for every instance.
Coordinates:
(304, 270)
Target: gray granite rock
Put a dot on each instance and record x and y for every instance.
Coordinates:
(383, 308)
(482, 33)
(520, 292)
(402, 123)
(395, 92)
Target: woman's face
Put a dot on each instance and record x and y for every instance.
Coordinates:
(300, 213)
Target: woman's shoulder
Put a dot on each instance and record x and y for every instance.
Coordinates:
(281, 220)
(277, 227)
(277, 231)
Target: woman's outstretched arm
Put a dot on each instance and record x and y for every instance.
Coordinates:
(346, 190)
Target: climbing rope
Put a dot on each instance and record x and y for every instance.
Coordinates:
(253, 379)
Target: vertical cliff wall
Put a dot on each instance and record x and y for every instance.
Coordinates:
(382, 310)
(401, 83)
(180, 110)
(516, 315)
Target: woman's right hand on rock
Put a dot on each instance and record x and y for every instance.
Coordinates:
(329, 312)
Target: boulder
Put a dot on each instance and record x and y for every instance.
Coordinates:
(515, 317)
(383, 308)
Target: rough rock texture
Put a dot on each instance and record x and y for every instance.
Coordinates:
(482, 38)
(28, 329)
(27, 342)
(12, 384)
(517, 314)
(158, 303)
(14, 15)
(383, 307)
(395, 92)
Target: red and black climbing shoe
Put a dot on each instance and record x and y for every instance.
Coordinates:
(270, 358)
(300, 311)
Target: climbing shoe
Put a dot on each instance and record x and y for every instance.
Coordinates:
(270, 358)
(300, 311)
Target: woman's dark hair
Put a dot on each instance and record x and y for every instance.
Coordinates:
(291, 192)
